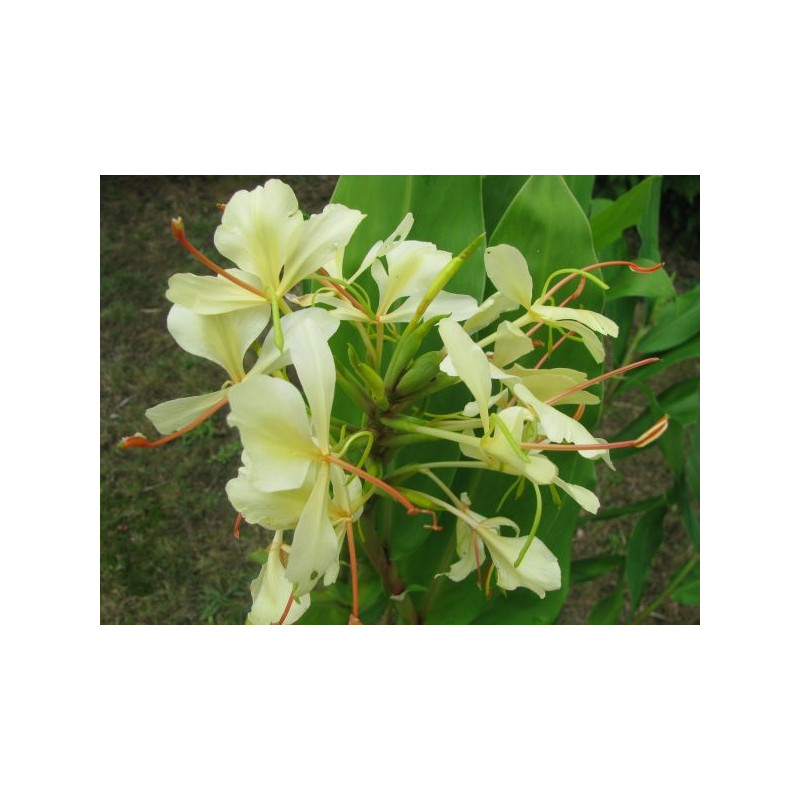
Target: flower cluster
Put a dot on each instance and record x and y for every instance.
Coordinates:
(310, 478)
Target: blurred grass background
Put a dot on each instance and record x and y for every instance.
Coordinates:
(167, 551)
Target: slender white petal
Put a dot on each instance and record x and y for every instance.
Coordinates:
(313, 360)
(556, 425)
(380, 249)
(547, 383)
(488, 311)
(470, 364)
(221, 338)
(508, 271)
(459, 306)
(412, 267)
(271, 591)
(213, 294)
(271, 417)
(539, 570)
(258, 228)
(590, 340)
(468, 544)
(585, 499)
(176, 414)
(591, 319)
(315, 544)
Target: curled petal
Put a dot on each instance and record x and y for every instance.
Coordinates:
(176, 414)
(213, 294)
(539, 570)
(508, 271)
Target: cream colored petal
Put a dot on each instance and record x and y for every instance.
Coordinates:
(412, 267)
(458, 306)
(590, 340)
(591, 319)
(555, 425)
(315, 544)
(547, 383)
(176, 414)
(585, 499)
(213, 294)
(488, 311)
(467, 543)
(271, 591)
(313, 360)
(221, 338)
(274, 510)
(258, 229)
(381, 248)
(273, 424)
(470, 364)
(511, 344)
(508, 271)
(539, 570)
(471, 408)
(318, 241)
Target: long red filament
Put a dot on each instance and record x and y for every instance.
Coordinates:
(551, 351)
(180, 234)
(286, 611)
(143, 441)
(600, 378)
(649, 436)
(342, 292)
(351, 546)
(600, 265)
(236, 525)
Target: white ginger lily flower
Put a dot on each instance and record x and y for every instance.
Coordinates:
(538, 571)
(272, 591)
(283, 446)
(508, 271)
(411, 268)
(224, 339)
(263, 232)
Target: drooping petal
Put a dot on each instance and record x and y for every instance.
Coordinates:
(271, 417)
(313, 360)
(315, 544)
(508, 271)
(586, 499)
(213, 294)
(556, 425)
(318, 241)
(539, 570)
(274, 510)
(470, 552)
(591, 319)
(470, 364)
(547, 383)
(488, 311)
(258, 228)
(221, 338)
(176, 414)
(271, 591)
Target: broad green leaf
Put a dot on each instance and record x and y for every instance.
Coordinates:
(677, 322)
(687, 350)
(456, 603)
(648, 226)
(688, 590)
(625, 212)
(645, 540)
(325, 614)
(624, 511)
(671, 445)
(682, 401)
(608, 610)
(623, 312)
(498, 192)
(589, 569)
(581, 187)
(625, 282)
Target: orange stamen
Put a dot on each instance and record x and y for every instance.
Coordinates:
(351, 546)
(600, 378)
(551, 351)
(221, 206)
(286, 611)
(649, 436)
(143, 441)
(634, 267)
(179, 233)
(342, 292)
(579, 412)
(236, 525)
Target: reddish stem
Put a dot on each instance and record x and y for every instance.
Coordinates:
(143, 441)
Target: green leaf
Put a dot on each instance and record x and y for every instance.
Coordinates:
(687, 350)
(671, 445)
(456, 603)
(624, 282)
(677, 322)
(645, 540)
(682, 401)
(608, 610)
(589, 569)
(581, 187)
(624, 511)
(688, 590)
(625, 212)
(325, 614)
(649, 225)
(498, 192)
